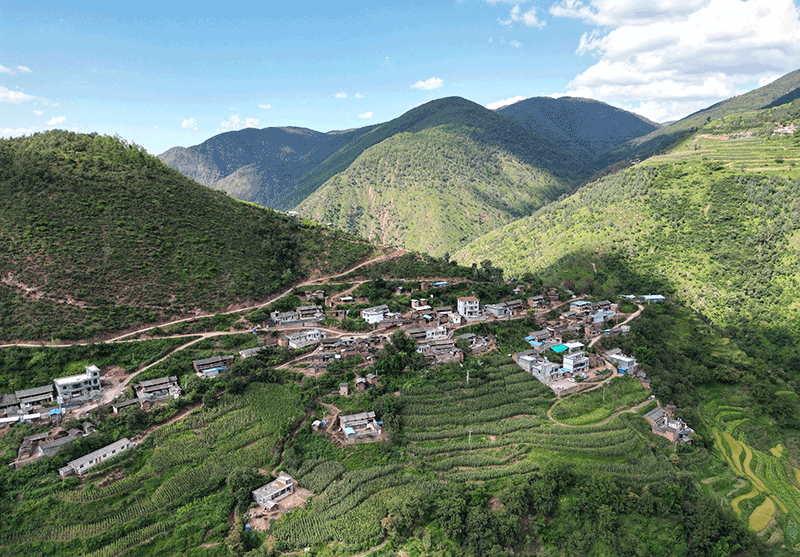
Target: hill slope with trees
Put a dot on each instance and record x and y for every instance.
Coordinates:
(587, 126)
(713, 222)
(440, 175)
(97, 236)
(262, 166)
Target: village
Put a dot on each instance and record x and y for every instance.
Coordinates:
(561, 356)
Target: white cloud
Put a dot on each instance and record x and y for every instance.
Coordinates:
(516, 44)
(11, 132)
(56, 120)
(9, 96)
(234, 122)
(38, 112)
(667, 58)
(365, 115)
(156, 127)
(504, 102)
(341, 95)
(359, 96)
(428, 84)
(265, 106)
(528, 18)
(24, 69)
(3, 69)
(189, 124)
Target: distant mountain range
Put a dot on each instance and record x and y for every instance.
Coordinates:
(262, 166)
(431, 180)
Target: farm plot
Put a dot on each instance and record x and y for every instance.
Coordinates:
(183, 465)
(767, 477)
(597, 405)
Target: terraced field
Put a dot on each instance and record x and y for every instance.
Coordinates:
(767, 475)
(771, 153)
(183, 464)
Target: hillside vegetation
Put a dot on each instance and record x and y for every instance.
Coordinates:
(431, 191)
(262, 166)
(713, 222)
(780, 91)
(587, 126)
(97, 236)
(440, 175)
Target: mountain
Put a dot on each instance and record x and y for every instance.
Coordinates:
(96, 236)
(587, 126)
(438, 176)
(713, 222)
(781, 91)
(261, 166)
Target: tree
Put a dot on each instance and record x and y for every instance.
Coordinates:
(242, 482)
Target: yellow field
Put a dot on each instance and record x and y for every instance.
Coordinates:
(736, 452)
(762, 515)
(777, 450)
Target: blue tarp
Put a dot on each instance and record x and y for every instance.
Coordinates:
(559, 348)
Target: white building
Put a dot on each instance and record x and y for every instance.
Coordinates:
(576, 362)
(83, 386)
(306, 338)
(374, 314)
(469, 307)
(268, 496)
(82, 465)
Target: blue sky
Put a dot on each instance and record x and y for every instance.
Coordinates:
(162, 74)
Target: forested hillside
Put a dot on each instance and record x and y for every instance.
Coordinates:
(713, 223)
(587, 126)
(262, 166)
(441, 175)
(97, 236)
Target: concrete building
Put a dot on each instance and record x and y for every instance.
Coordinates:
(306, 338)
(268, 495)
(81, 387)
(469, 307)
(82, 465)
(576, 362)
(375, 314)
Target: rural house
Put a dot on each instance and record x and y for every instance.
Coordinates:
(268, 495)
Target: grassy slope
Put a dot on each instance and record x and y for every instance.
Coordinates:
(98, 235)
(714, 220)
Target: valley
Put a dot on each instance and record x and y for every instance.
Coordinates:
(551, 329)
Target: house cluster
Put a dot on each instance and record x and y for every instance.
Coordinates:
(268, 495)
(303, 314)
(360, 427)
(332, 349)
(788, 128)
(362, 384)
(48, 443)
(664, 423)
(70, 391)
(83, 464)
